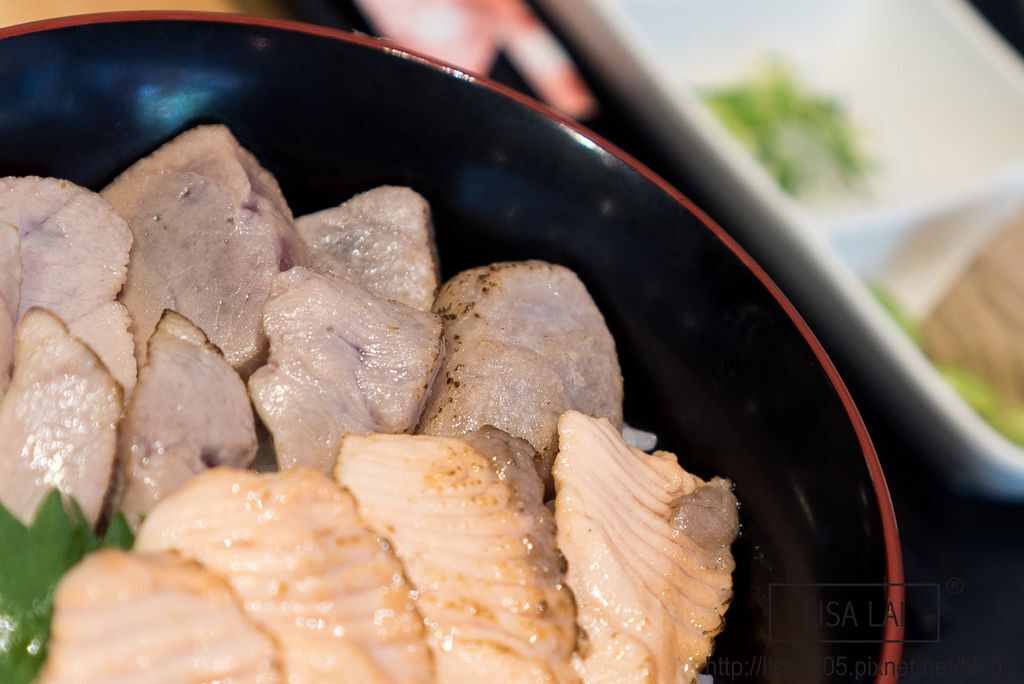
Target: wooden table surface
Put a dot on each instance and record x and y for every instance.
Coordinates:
(20, 11)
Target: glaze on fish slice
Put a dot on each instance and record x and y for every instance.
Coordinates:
(58, 420)
(306, 570)
(150, 619)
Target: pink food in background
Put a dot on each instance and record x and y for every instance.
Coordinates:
(470, 33)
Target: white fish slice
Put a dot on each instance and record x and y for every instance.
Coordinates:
(10, 296)
(382, 239)
(58, 420)
(190, 411)
(341, 360)
(211, 228)
(478, 547)
(74, 260)
(647, 547)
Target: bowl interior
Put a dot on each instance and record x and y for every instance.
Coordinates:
(713, 363)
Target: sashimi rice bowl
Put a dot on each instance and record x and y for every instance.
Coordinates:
(405, 383)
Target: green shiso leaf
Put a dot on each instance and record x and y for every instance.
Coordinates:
(32, 561)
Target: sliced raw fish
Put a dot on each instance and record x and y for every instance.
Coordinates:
(291, 547)
(58, 420)
(74, 256)
(341, 360)
(10, 295)
(478, 548)
(190, 411)
(211, 230)
(647, 546)
(382, 239)
(524, 341)
(149, 619)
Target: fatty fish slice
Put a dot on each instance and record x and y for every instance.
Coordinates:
(74, 258)
(190, 411)
(58, 420)
(523, 342)
(478, 549)
(152, 618)
(10, 295)
(647, 546)
(382, 239)
(305, 569)
(341, 360)
(211, 230)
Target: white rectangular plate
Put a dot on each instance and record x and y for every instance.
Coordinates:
(937, 100)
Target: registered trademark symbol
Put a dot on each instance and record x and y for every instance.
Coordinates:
(954, 585)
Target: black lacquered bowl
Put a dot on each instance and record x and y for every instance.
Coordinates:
(716, 361)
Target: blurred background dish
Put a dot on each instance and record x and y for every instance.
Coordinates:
(919, 101)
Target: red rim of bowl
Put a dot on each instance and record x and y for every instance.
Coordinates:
(892, 636)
